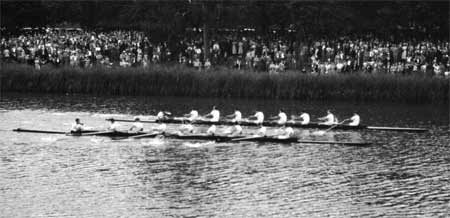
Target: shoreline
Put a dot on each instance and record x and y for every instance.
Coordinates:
(181, 81)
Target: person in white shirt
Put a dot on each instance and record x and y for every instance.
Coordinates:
(214, 114)
(113, 126)
(77, 126)
(234, 130)
(186, 129)
(137, 125)
(211, 130)
(305, 118)
(163, 115)
(261, 131)
(192, 116)
(236, 116)
(355, 120)
(160, 128)
(329, 119)
(282, 117)
(237, 130)
(259, 117)
(288, 133)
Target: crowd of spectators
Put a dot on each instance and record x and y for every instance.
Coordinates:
(275, 53)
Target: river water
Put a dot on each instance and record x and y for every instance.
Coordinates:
(402, 175)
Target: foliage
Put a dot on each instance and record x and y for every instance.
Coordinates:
(178, 80)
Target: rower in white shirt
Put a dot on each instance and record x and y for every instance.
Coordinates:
(211, 130)
(192, 116)
(355, 120)
(77, 126)
(261, 131)
(282, 117)
(288, 133)
(113, 126)
(137, 125)
(186, 129)
(161, 127)
(214, 114)
(163, 115)
(236, 116)
(233, 130)
(329, 119)
(305, 118)
(259, 117)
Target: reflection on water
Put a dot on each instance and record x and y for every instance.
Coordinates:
(403, 175)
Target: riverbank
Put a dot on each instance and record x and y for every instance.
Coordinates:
(177, 80)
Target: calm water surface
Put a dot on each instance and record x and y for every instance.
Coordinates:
(402, 175)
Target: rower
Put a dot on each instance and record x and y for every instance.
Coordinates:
(137, 125)
(329, 119)
(113, 126)
(259, 117)
(192, 116)
(234, 130)
(355, 120)
(186, 128)
(163, 115)
(214, 114)
(236, 116)
(288, 133)
(161, 127)
(261, 131)
(305, 118)
(211, 130)
(282, 117)
(77, 126)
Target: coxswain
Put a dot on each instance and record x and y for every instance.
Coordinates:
(355, 120)
(77, 126)
(211, 130)
(137, 125)
(329, 119)
(288, 133)
(282, 117)
(192, 116)
(236, 116)
(214, 114)
(259, 117)
(113, 126)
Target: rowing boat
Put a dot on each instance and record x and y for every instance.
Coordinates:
(291, 124)
(217, 138)
(52, 131)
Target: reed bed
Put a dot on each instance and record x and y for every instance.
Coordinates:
(178, 80)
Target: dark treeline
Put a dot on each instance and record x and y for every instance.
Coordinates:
(166, 20)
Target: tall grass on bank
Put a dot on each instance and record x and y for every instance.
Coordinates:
(177, 80)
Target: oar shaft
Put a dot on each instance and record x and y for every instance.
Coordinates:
(38, 131)
(405, 129)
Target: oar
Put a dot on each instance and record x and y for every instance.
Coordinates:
(146, 135)
(405, 129)
(335, 142)
(253, 137)
(247, 138)
(96, 133)
(38, 131)
(322, 132)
